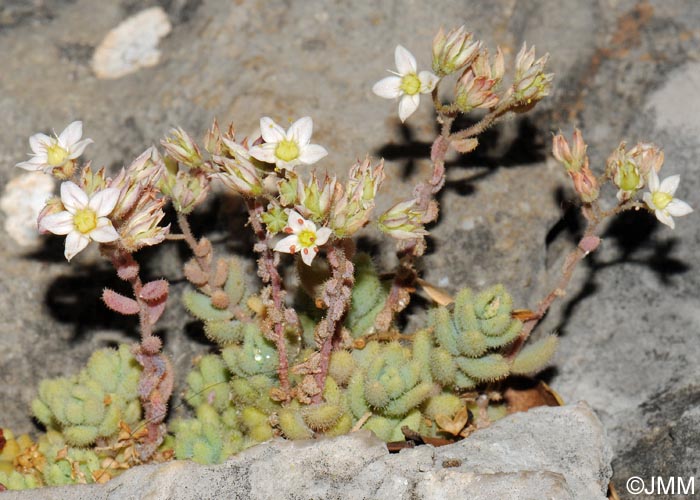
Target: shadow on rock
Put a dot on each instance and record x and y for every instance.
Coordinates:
(632, 236)
(508, 144)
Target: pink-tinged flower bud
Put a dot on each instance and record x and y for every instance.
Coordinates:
(475, 92)
(585, 184)
(182, 148)
(648, 156)
(403, 221)
(140, 228)
(453, 51)
(239, 175)
(53, 206)
(573, 158)
(531, 83)
(186, 190)
(353, 205)
(212, 139)
(494, 71)
(366, 180)
(142, 174)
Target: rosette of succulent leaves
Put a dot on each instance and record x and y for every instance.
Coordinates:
(324, 357)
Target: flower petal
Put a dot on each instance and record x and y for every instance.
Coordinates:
(407, 105)
(649, 200)
(58, 223)
(308, 254)
(78, 148)
(271, 132)
(75, 243)
(285, 245)
(295, 221)
(427, 81)
(104, 232)
(71, 134)
(678, 208)
(405, 62)
(388, 88)
(664, 218)
(33, 164)
(322, 235)
(653, 181)
(39, 143)
(312, 153)
(103, 202)
(72, 197)
(301, 130)
(670, 184)
(264, 152)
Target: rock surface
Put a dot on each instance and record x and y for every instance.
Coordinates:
(625, 69)
(554, 453)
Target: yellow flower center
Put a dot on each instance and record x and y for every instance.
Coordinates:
(410, 84)
(661, 199)
(85, 220)
(307, 238)
(56, 156)
(287, 150)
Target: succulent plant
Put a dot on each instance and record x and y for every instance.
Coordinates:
(91, 405)
(471, 339)
(206, 439)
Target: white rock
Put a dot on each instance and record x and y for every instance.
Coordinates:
(24, 197)
(132, 45)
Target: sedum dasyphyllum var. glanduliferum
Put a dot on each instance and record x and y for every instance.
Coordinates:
(325, 356)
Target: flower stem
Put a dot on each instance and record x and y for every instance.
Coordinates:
(587, 244)
(156, 380)
(337, 293)
(270, 275)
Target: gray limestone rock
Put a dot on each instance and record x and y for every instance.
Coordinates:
(555, 453)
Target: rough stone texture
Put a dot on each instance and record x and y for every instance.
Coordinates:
(625, 69)
(554, 453)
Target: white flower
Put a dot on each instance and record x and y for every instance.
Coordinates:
(290, 148)
(304, 237)
(660, 199)
(408, 84)
(54, 152)
(84, 218)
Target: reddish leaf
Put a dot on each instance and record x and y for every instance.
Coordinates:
(465, 145)
(119, 303)
(154, 290)
(155, 309)
(127, 270)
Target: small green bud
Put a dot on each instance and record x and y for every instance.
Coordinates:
(275, 219)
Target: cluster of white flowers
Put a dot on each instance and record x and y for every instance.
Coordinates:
(84, 217)
(286, 150)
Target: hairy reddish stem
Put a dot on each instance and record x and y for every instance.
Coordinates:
(156, 380)
(271, 276)
(337, 293)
